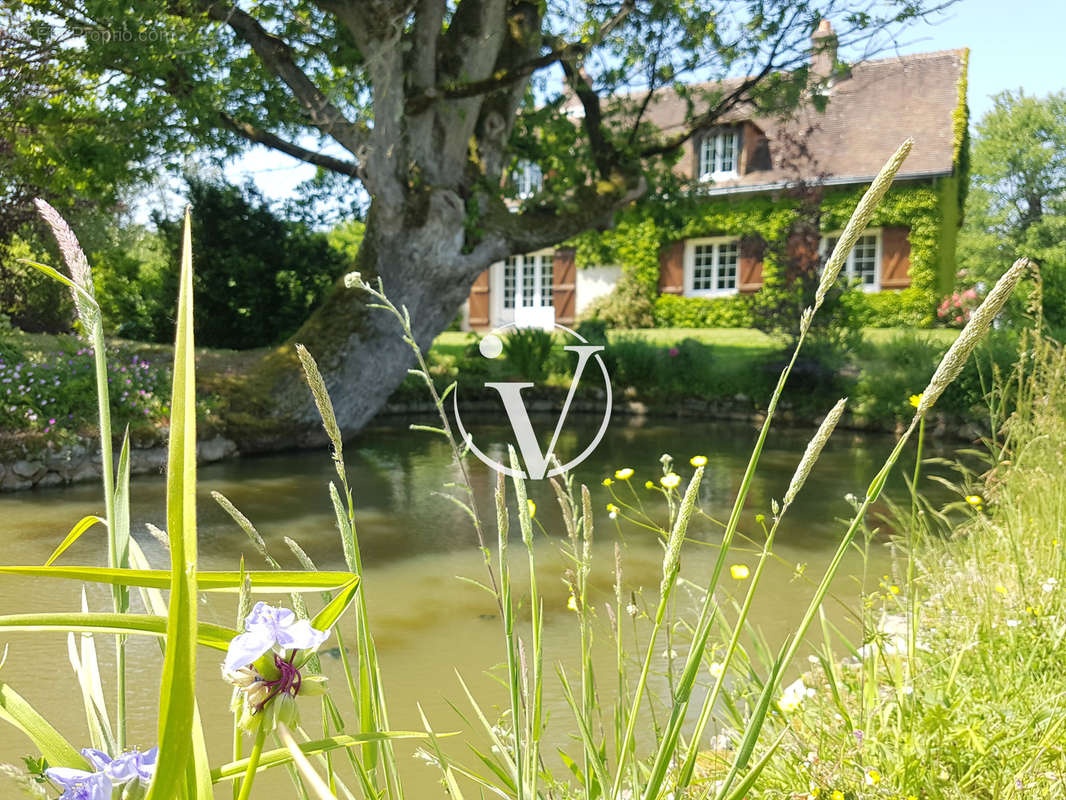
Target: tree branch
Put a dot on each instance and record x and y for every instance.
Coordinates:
(569, 51)
(603, 153)
(277, 56)
(260, 136)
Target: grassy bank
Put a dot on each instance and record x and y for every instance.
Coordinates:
(973, 704)
(736, 369)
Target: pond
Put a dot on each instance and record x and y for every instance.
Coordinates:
(428, 624)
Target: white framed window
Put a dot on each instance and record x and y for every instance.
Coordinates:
(528, 179)
(719, 154)
(712, 266)
(863, 267)
(527, 281)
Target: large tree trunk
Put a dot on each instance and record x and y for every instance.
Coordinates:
(360, 350)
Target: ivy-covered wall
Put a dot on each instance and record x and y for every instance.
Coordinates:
(926, 209)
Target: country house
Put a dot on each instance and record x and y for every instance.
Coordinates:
(745, 168)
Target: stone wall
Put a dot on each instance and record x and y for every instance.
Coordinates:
(81, 462)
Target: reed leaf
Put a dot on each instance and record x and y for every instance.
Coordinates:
(80, 527)
(208, 634)
(263, 582)
(282, 756)
(56, 750)
(178, 685)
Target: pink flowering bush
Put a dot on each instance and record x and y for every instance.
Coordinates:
(57, 391)
(955, 310)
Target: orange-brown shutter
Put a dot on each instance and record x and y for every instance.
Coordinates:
(564, 285)
(479, 302)
(672, 269)
(751, 254)
(895, 258)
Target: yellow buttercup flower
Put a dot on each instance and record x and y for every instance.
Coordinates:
(974, 499)
(916, 400)
(739, 571)
(612, 507)
(837, 795)
(698, 461)
(872, 777)
(1001, 588)
(572, 603)
(607, 481)
(624, 474)
(532, 508)
(670, 481)
(893, 589)
(649, 485)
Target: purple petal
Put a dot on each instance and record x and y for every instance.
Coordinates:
(96, 787)
(66, 776)
(97, 758)
(247, 647)
(301, 636)
(261, 612)
(146, 764)
(123, 769)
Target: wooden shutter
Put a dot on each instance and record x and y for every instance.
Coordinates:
(895, 258)
(478, 315)
(672, 269)
(751, 255)
(564, 285)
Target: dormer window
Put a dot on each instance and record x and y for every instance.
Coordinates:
(528, 179)
(719, 154)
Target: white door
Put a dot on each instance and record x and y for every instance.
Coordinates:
(522, 290)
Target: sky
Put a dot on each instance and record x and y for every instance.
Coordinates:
(1019, 44)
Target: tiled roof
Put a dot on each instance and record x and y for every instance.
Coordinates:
(869, 113)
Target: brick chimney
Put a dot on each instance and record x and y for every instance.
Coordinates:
(823, 51)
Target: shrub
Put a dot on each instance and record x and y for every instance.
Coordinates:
(57, 391)
(9, 350)
(895, 369)
(529, 351)
(906, 308)
(634, 361)
(260, 276)
(31, 300)
(593, 331)
(955, 310)
(625, 307)
(675, 311)
(683, 369)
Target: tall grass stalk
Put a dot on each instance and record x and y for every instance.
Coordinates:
(117, 530)
(369, 698)
(860, 218)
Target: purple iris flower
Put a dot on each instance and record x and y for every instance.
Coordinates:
(132, 765)
(80, 785)
(267, 626)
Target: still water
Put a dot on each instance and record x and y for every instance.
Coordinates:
(430, 625)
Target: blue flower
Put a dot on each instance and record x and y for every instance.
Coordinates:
(131, 766)
(78, 784)
(266, 627)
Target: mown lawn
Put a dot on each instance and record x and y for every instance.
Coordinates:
(741, 341)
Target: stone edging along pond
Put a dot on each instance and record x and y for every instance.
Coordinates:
(23, 468)
(80, 462)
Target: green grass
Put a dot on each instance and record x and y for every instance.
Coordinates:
(453, 342)
(978, 708)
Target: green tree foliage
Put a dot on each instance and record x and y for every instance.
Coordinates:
(1017, 204)
(259, 275)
